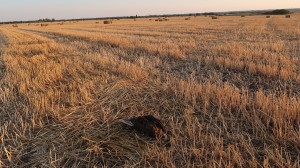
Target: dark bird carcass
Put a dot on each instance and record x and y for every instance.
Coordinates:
(149, 125)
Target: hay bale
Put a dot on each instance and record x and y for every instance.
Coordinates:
(15, 25)
(187, 18)
(96, 22)
(107, 22)
(287, 16)
(214, 17)
(44, 25)
(268, 16)
(160, 20)
(243, 16)
(150, 19)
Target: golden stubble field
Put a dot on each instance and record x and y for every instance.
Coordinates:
(228, 90)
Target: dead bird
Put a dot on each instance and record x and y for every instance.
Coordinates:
(149, 125)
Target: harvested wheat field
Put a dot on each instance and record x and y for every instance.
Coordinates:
(228, 91)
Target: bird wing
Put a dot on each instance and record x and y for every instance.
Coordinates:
(156, 121)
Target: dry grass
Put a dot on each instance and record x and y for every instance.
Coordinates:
(228, 90)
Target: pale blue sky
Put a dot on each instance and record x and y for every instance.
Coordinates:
(11, 10)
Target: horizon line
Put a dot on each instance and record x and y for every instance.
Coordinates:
(91, 18)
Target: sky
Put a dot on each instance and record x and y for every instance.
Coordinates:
(17, 10)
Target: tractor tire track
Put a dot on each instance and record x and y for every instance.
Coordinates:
(3, 43)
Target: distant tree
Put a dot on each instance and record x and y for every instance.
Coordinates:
(209, 13)
(44, 20)
(278, 12)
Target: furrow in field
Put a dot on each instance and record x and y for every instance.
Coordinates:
(2, 64)
(161, 47)
(169, 32)
(140, 34)
(2, 74)
(203, 70)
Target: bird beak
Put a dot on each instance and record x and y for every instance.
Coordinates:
(166, 137)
